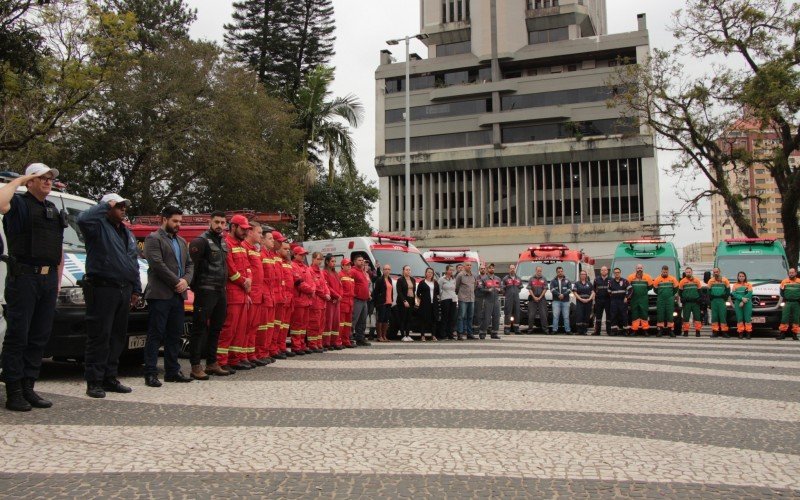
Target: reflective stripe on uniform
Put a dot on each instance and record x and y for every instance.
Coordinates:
(235, 277)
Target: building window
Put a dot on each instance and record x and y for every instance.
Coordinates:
(548, 36)
(455, 10)
(456, 108)
(442, 141)
(565, 130)
(451, 49)
(542, 4)
(557, 98)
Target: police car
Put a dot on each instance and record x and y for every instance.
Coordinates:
(68, 338)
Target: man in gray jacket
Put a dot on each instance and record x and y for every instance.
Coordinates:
(168, 279)
(111, 287)
(465, 291)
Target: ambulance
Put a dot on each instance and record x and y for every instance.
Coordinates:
(764, 261)
(652, 254)
(68, 338)
(550, 256)
(440, 258)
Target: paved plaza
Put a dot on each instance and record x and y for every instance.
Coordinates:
(573, 417)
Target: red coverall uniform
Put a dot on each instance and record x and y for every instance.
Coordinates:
(316, 318)
(346, 307)
(301, 303)
(231, 338)
(255, 311)
(330, 336)
(285, 305)
(265, 328)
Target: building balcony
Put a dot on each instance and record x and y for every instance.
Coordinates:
(473, 89)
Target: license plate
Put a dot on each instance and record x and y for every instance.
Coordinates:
(759, 319)
(137, 342)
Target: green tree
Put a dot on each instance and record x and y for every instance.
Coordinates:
(158, 22)
(340, 209)
(752, 48)
(81, 49)
(311, 39)
(324, 121)
(20, 44)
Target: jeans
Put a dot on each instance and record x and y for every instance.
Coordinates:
(360, 312)
(210, 309)
(166, 325)
(107, 310)
(465, 312)
(560, 309)
(30, 309)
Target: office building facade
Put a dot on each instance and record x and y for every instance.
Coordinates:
(512, 139)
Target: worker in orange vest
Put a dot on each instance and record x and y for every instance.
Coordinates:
(265, 327)
(237, 289)
(240, 358)
(346, 305)
(304, 290)
(330, 336)
(284, 293)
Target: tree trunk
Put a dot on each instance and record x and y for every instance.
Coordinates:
(791, 231)
(301, 217)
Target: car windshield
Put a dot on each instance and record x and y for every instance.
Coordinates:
(525, 270)
(757, 267)
(73, 239)
(439, 267)
(398, 259)
(651, 266)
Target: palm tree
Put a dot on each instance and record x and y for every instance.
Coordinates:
(326, 122)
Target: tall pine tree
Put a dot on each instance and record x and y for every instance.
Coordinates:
(311, 36)
(282, 40)
(258, 36)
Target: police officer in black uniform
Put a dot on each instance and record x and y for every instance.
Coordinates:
(620, 291)
(602, 301)
(208, 252)
(34, 228)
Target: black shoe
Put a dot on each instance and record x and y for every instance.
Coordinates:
(238, 367)
(281, 355)
(289, 354)
(267, 360)
(659, 334)
(31, 397)
(726, 336)
(111, 384)
(696, 334)
(14, 399)
(495, 336)
(363, 343)
(672, 334)
(178, 377)
(258, 362)
(794, 336)
(471, 337)
(339, 348)
(95, 390)
(299, 352)
(714, 336)
(319, 351)
(152, 381)
(780, 336)
(747, 336)
(309, 351)
(685, 334)
(350, 346)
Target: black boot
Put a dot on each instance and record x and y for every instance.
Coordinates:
(672, 333)
(596, 330)
(31, 397)
(95, 390)
(781, 336)
(14, 399)
(660, 332)
(794, 336)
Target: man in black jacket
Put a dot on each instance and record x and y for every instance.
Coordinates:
(208, 252)
(112, 286)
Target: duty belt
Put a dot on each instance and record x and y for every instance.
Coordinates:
(21, 268)
(103, 282)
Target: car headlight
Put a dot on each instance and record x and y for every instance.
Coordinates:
(71, 296)
(783, 304)
(511, 318)
(728, 303)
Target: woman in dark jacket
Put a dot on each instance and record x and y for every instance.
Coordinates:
(382, 297)
(406, 287)
(428, 299)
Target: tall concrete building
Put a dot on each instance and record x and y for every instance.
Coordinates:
(512, 140)
(751, 137)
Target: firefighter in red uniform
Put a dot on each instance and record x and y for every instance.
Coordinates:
(303, 297)
(282, 293)
(237, 289)
(330, 338)
(287, 284)
(240, 357)
(316, 318)
(271, 281)
(346, 306)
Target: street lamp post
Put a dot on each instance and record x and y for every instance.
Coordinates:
(407, 115)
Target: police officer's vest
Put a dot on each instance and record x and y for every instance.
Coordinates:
(213, 273)
(40, 242)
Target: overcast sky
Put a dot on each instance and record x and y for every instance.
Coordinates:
(363, 26)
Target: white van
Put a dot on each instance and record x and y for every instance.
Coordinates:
(377, 250)
(440, 258)
(68, 338)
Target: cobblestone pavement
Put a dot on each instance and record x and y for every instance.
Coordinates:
(525, 416)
